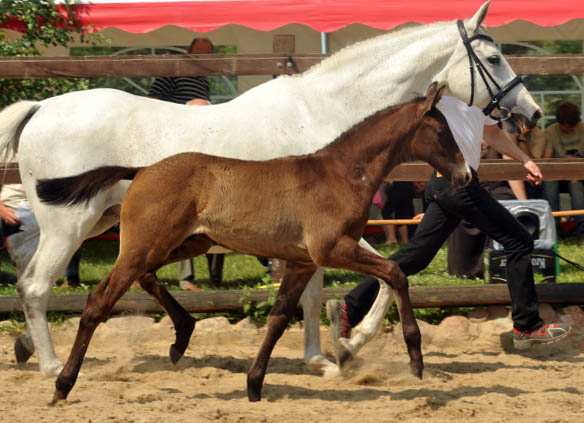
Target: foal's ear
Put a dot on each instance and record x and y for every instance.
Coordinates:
(474, 23)
(433, 95)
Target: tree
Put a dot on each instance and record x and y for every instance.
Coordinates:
(42, 24)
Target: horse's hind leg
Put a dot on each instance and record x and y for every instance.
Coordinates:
(347, 254)
(311, 301)
(34, 286)
(369, 326)
(294, 281)
(184, 323)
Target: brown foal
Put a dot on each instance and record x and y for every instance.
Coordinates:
(308, 210)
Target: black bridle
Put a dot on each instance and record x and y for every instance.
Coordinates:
(474, 60)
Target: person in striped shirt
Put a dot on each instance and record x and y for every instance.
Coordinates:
(194, 91)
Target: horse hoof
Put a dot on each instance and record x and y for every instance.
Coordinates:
(175, 354)
(345, 357)
(253, 396)
(21, 350)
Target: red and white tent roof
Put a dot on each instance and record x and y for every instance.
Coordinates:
(139, 16)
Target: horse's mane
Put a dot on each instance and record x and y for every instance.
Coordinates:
(394, 35)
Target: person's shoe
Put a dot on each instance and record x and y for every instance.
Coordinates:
(71, 282)
(336, 312)
(188, 286)
(547, 334)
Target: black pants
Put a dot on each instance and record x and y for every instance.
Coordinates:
(446, 207)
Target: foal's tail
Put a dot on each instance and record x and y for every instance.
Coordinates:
(74, 190)
(12, 121)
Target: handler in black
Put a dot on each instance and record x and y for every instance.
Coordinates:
(446, 208)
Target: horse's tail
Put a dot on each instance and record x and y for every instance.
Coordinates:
(74, 190)
(12, 121)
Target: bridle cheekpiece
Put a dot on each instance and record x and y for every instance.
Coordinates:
(474, 60)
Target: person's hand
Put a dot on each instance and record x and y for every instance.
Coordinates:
(534, 175)
(9, 216)
(419, 216)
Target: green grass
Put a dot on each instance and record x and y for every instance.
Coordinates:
(98, 256)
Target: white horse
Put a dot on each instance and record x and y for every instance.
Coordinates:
(72, 133)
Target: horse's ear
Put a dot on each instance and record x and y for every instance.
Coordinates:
(474, 23)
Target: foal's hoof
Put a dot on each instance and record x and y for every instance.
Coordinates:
(175, 354)
(22, 350)
(417, 370)
(58, 396)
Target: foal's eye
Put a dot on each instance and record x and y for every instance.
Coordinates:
(442, 133)
(494, 60)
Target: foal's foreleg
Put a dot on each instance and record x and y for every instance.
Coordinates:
(347, 254)
(99, 304)
(293, 283)
(184, 323)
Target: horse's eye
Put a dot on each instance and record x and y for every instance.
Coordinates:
(494, 60)
(442, 133)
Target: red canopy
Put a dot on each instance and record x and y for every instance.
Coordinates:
(321, 15)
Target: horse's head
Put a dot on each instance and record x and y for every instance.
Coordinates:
(434, 143)
(481, 76)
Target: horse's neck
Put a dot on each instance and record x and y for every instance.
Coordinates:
(383, 71)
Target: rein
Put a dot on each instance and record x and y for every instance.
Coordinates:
(473, 61)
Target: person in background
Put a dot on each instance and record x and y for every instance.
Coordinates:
(14, 206)
(565, 139)
(446, 208)
(398, 204)
(194, 91)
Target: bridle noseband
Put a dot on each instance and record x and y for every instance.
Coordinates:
(484, 73)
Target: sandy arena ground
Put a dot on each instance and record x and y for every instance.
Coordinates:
(471, 374)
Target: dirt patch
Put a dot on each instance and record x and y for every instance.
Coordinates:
(127, 377)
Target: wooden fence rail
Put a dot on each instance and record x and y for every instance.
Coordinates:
(226, 300)
(490, 170)
(229, 64)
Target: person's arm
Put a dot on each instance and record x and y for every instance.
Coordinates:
(8, 215)
(500, 141)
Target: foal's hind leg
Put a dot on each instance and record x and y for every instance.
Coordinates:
(100, 302)
(293, 283)
(347, 254)
(184, 323)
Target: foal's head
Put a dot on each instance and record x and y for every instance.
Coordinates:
(434, 143)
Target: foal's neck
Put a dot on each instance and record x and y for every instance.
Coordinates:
(371, 149)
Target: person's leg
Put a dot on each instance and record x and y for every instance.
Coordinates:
(577, 202)
(215, 263)
(72, 270)
(186, 274)
(551, 191)
(412, 258)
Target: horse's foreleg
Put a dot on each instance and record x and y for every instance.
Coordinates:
(99, 304)
(349, 255)
(311, 301)
(293, 283)
(369, 326)
(184, 323)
